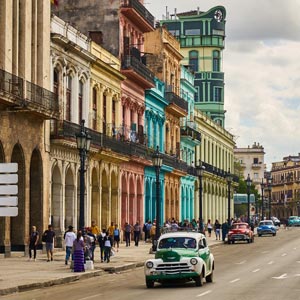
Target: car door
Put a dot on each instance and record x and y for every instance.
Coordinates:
(204, 253)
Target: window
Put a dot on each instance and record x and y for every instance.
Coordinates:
(195, 31)
(104, 115)
(68, 98)
(217, 94)
(113, 114)
(194, 60)
(216, 61)
(55, 82)
(80, 101)
(94, 108)
(255, 160)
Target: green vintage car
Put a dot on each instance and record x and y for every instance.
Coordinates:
(294, 221)
(181, 256)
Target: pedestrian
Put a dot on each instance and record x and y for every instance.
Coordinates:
(116, 241)
(33, 241)
(101, 237)
(95, 229)
(136, 233)
(111, 229)
(153, 232)
(107, 247)
(217, 228)
(92, 242)
(78, 252)
(127, 231)
(146, 228)
(209, 227)
(48, 237)
(225, 230)
(69, 238)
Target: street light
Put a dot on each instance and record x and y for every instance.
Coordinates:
(83, 140)
(262, 185)
(269, 183)
(229, 180)
(200, 170)
(157, 163)
(248, 182)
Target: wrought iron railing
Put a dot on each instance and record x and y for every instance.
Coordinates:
(173, 98)
(11, 84)
(141, 9)
(191, 132)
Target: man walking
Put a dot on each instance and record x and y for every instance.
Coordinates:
(136, 233)
(127, 231)
(69, 237)
(49, 236)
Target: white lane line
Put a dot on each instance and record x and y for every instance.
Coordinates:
(283, 276)
(240, 263)
(90, 297)
(203, 294)
(235, 280)
(283, 254)
(256, 270)
(270, 262)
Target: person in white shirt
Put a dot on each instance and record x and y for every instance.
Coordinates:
(69, 237)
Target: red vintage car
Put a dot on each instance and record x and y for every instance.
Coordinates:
(240, 232)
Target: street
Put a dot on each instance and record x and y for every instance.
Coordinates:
(267, 269)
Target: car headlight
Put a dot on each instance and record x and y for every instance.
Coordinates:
(149, 264)
(193, 261)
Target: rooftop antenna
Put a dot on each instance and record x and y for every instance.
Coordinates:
(175, 13)
(167, 13)
(198, 10)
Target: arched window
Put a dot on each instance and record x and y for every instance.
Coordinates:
(113, 117)
(194, 60)
(95, 108)
(104, 114)
(80, 101)
(216, 61)
(55, 82)
(68, 98)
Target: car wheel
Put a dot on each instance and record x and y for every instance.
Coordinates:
(259, 234)
(210, 277)
(252, 241)
(199, 280)
(274, 234)
(149, 284)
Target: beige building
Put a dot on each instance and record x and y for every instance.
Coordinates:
(251, 161)
(25, 106)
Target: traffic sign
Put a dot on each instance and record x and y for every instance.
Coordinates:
(8, 211)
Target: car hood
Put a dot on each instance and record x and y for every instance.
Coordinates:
(169, 255)
(265, 227)
(235, 231)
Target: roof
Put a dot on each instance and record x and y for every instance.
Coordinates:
(194, 234)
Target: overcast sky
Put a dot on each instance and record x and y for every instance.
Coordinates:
(261, 62)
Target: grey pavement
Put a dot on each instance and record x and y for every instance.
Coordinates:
(17, 274)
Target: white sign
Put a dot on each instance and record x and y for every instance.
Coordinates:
(8, 178)
(8, 211)
(8, 168)
(8, 201)
(8, 189)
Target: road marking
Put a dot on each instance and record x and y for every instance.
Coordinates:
(256, 270)
(90, 297)
(283, 254)
(240, 263)
(283, 276)
(235, 280)
(203, 294)
(270, 262)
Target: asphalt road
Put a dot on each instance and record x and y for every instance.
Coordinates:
(268, 269)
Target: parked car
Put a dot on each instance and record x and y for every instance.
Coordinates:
(180, 256)
(276, 221)
(294, 221)
(240, 232)
(266, 227)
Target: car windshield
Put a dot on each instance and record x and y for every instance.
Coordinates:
(177, 242)
(265, 223)
(239, 226)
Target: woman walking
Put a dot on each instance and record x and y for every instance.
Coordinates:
(209, 227)
(78, 248)
(217, 228)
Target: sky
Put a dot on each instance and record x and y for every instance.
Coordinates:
(262, 70)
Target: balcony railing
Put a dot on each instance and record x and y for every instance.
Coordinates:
(131, 62)
(38, 95)
(11, 85)
(141, 9)
(191, 132)
(175, 99)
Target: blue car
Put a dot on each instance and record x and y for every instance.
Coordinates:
(266, 227)
(294, 221)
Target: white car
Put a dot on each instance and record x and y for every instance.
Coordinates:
(180, 256)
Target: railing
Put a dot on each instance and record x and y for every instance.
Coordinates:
(189, 131)
(141, 9)
(37, 94)
(11, 84)
(131, 62)
(173, 98)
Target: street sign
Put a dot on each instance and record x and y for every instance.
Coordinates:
(8, 211)
(8, 189)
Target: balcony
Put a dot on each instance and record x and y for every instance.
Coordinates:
(138, 14)
(135, 70)
(24, 96)
(188, 133)
(177, 104)
(207, 76)
(257, 166)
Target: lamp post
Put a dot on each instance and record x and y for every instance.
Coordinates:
(200, 170)
(83, 140)
(262, 185)
(269, 183)
(248, 182)
(157, 163)
(229, 180)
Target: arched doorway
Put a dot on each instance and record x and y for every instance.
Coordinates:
(56, 199)
(104, 200)
(124, 204)
(17, 232)
(147, 200)
(114, 198)
(139, 204)
(95, 213)
(132, 199)
(36, 192)
(69, 198)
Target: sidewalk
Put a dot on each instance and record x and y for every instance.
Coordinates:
(17, 274)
